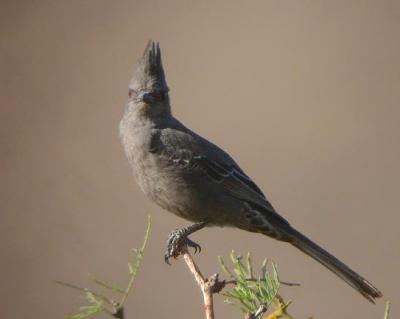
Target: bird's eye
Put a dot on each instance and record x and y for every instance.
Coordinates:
(130, 93)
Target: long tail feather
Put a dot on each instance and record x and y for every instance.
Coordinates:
(363, 286)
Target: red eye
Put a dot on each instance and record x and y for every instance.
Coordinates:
(130, 93)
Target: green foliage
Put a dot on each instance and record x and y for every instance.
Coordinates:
(254, 295)
(250, 293)
(98, 302)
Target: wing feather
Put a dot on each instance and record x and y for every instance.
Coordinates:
(191, 152)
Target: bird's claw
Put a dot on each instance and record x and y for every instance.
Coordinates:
(176, 243)
(194, 245)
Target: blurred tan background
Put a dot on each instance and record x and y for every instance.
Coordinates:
(304, 94)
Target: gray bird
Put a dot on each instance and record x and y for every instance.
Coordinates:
(193, 178)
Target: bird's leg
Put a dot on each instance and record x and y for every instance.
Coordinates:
(179, 238)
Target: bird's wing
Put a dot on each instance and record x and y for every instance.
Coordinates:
(191, 152)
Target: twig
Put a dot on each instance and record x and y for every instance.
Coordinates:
(103, 284)
(97, 302)
(234, 282)
(387, 310)
(208, 286)
(85, 290)
(119, 307)
(212, 284)
(260, 311)
(118, 311)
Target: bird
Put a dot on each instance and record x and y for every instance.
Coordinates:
(195, 179)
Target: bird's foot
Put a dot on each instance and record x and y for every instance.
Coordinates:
(178, 240)
(176, 245)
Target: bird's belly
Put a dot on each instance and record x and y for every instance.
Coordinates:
(176, 195)
(186, 193)
(175, 191)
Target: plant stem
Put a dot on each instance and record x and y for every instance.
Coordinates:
(118, 308)
(387, 310)
(206, 285)
(234, 282)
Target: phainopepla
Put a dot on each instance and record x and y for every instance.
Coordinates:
(195, 179)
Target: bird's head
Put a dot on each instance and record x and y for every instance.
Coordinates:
(148, 89)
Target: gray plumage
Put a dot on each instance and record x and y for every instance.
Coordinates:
(195, 179)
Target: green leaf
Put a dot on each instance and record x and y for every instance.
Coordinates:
(131, 269)
(103, 284)
(96, 301)
(249, 293)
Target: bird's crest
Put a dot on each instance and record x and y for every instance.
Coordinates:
(149, 74)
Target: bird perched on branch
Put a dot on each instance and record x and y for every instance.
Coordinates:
(193, 178)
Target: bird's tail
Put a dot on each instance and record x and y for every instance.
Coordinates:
(332, 263)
